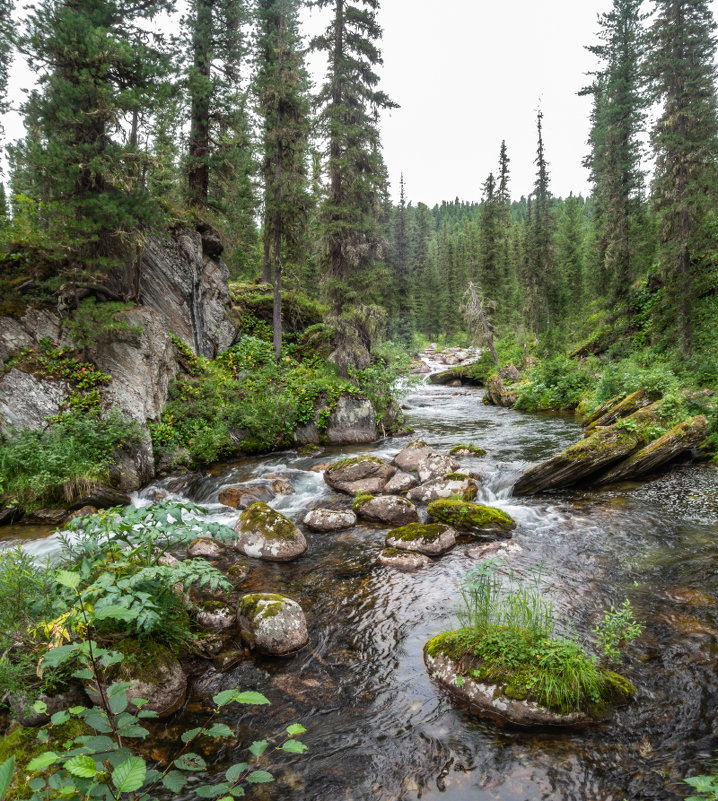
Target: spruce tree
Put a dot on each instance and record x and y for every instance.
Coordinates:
(570, 249)
(283, 104)
(6, 37)
(350, 218)
(618, 115)
(402, 283)
(682, 68)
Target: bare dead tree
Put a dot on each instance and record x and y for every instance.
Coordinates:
(475, 309)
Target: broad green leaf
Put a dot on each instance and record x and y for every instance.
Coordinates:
(58, 656)
(6, 771)
(225, 697)
(130, 775)
(97, 719)
(82, 766)
(40, 707)
(295, 747)
(34, 784)
(83, 673)
(118, 703)
(43, 761)
(251, 697)
(75, 710)
(260, 777)
(133, 731)
(211, 790)
(60, 717)
(237, 792)
(234, 772)
(220, 730)
(190, 762)
(68, 579)
(174, 781)
(148, 713)
(258, 747)
(99, 744)
(115, 612)
(43, 735)
(294, 729)
(190, 734)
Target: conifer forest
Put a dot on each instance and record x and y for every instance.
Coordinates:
(314, 486)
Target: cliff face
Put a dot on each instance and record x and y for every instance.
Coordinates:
(182, 286)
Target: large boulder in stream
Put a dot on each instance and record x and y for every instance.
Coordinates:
(264, 533)
(446, 487)
(410, 457)
(363, 475)
(272, 624)
(618, 452)
(400, 482)
(240, 496)
(473, 518)
(351, 420)
(498, 394)
(390, 510)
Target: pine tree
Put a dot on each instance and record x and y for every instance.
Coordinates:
(570, 249)
(491, 242)
(420, 266)
(98, 68)
(283, 104)
(350, 217)
(685, 140)
(402, 284)
(618, 115)
(6, 36)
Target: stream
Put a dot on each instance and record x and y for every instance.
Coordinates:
(378, 728)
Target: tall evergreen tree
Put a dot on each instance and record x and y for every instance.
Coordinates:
(402, 283)
(619, 112)
(350, 218)
(570, 249)
(685, 139)
(6, 36)
(283, 103)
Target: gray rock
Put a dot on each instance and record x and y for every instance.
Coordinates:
(43, 324)
(409, 458)
(443, 488)
(431, 540)
(330, 519)
(281, 486)
(240, 496)
(207, 548)
(13, 337)
(23, 712)
(26, 401)
(363, 475)
(272, 624)
(400, 482)
(351, 421)
(403, 560)
(218, 619)
(387, 509)
(264, 533)
(435, 465)
(102, 497)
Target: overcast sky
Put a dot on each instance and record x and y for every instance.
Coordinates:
(467, 74)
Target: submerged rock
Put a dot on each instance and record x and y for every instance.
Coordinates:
(403, 560)
(330, 519)
(271, 623)
(387, 509)
(207, 548)
(363, 475)
(467, 450)
(472, 517)
(446, 487)
(240, 496)
(431, 540)
(264, 533)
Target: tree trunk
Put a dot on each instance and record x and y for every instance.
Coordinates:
(266, 261)
(277, 308)
(200, 91)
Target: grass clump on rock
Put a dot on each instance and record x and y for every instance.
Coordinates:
(470, 516)
(467, 450)
(509, 640)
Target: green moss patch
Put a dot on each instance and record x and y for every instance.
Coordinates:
(269, 523)
(467, 450)
(144, 660)
(417, 531)
(360, 500)
(470, 516)
(555, 673)
(342, 463)
(261, 604)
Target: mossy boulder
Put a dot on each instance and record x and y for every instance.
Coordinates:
(330, 519)
(264, 533)
(348, 420)
(406, 561)
(361, 474)
(498, 393)
(472, 517)
(467, 450)
(454, 484)
(510, 691)
(432, 539)
(272, 624)
(390, 510)
(215, 617)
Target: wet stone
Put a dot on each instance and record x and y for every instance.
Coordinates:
(272, 624)
(403, 560)
(330, 519)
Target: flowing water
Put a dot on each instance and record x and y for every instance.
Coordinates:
(378, 728)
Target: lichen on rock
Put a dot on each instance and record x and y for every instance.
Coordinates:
(264, 533)
(272, 623)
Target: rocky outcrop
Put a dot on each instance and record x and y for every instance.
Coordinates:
(271, 623)
(472, 517)
(26, 401)
(619, 409)
(330, 519)
(389, 510)
(627, 449)
(351, 420)
(364, 475)
(673, 443)
(264, 533)
(498, 393)
(431, 540)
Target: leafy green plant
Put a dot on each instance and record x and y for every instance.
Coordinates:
(94, 322)
(705, 787)
(617, 629)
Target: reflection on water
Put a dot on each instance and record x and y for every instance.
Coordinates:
(379, 729)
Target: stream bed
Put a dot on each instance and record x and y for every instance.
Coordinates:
(378, 728)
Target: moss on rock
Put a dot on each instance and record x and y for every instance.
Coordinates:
(268, 522)
(418, 531)
(342, 463)
(470, 516)
(261, 604)
(467, 450)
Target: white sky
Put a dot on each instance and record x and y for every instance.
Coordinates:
(467, 74)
